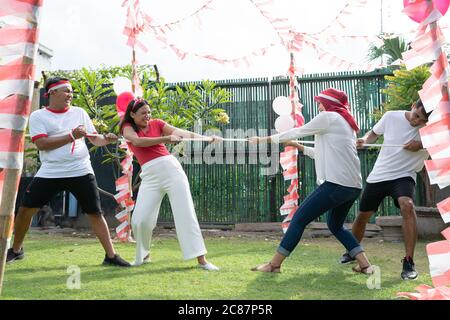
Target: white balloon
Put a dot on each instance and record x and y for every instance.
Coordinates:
(121, 84)
(284, 123)
(282, 106)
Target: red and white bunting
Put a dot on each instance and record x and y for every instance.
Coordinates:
(431, 93)
(444, 210)
(122, 183)
(442, 111)
(446, 232)
(291, 173)
(281, 25)
(14, 112)
(122, 195)
(127, 164)
(338, 22)
(427, 47)
(129, 204)
(18, 49)
(139, 23)
(439, 258)
(428, 39)
(439, 171)
(122, 215)
(440, 151)
(288, 161)
(122, 230)
(436, 133)
(414, 58)
(28, 9)
(425, 292)
(125, 195)
(288, 158)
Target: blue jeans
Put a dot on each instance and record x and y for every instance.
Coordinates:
(331, 197)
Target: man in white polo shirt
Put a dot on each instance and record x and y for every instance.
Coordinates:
(394, 175)
(59, 132)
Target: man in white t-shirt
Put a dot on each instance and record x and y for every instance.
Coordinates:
(394, 175)
(59, 132)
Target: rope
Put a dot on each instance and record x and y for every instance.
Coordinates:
(298, 141)
(365, 145)
(246, 140)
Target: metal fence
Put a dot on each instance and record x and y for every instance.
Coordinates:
(240, 192)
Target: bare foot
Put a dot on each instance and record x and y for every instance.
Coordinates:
(366, 270)
(267, 267)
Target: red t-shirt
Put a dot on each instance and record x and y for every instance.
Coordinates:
(145, 154)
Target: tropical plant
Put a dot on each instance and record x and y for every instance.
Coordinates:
(402, 89)
(184, 106)
(391, 49)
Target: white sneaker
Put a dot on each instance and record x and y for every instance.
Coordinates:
(208, 266)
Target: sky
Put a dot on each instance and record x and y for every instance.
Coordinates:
(88, 33)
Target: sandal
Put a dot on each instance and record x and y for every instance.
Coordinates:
(273, 269)
(364, 270)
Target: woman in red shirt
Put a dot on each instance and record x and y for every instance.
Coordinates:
(161, 174)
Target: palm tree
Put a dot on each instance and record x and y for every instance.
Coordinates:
(392, 48)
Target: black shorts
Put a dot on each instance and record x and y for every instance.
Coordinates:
(374, 193)
(41, 190)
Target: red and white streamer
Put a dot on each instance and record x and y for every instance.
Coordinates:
(139, 23)
(444, 210)
(18, 46)
(122, 230)
(288, 158)
(425, 292)
(439, 258)
(338, 22)
(125, 196)
(427, 47)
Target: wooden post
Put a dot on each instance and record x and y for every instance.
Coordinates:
(7, 206)
(12, 175)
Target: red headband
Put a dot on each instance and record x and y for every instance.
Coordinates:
(57, 85)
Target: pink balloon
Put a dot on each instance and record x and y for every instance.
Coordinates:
(416, 9)
(122, 102)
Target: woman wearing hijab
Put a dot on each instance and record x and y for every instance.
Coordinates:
(338, 177)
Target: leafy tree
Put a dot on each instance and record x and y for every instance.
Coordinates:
(392, 49)
(402, 89)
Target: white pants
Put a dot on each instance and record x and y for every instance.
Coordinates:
(161, 176)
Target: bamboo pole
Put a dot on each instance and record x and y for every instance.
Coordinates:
(12, 176)
(7, 205)
(8, 200)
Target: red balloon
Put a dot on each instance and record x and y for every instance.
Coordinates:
(122, 102)
(417, 9)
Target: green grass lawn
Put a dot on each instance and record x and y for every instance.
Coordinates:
(312, 271)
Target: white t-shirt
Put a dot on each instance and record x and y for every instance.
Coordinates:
(336, 158)
(62, 162)
(395, 162)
